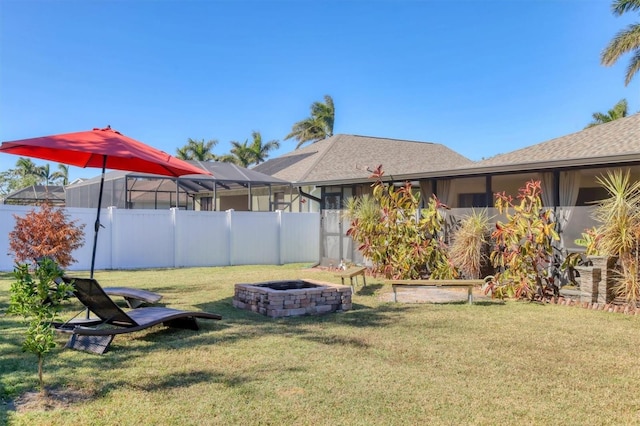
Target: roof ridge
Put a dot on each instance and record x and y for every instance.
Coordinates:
(389, 139)
(330, 142)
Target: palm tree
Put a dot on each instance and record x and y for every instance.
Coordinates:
(619, 110)
(183, 153)
(62, 175)
(26, 174)
(241, 154)
(627, 40)
(25, 167)
(45, 175)
(316, 127)
(260, 151)
(197, 150)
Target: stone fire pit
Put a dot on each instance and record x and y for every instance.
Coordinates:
(292, 297)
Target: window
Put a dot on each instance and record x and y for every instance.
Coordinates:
(587, 196)
(278, 201)
(332, 201)
(477, 199)
(206, 204)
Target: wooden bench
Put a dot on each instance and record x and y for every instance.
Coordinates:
(469, 284)
(133, 296)
(352, 273)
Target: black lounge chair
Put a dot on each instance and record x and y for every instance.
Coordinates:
(95, 335)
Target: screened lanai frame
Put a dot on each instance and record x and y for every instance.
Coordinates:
(140, 190)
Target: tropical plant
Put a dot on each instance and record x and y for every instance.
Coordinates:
(26, 167)
(261, 151)
(316, 127)
(400, 241)
(61, 175)
(44, 172)
(197, 150)
(619, 229)
(245, 154)
(25, 174)
(523, 245)
(37, 296)
(589, 239)
(625, 41)
(618, 111)
(241, 154)
(469, 248)
(46, 233)
(619, 214)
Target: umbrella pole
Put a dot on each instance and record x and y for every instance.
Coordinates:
(97, 224)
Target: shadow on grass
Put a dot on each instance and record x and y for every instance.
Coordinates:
(489, 302)
(369, 290)
(183, 380)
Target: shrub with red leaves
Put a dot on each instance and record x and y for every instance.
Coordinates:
(46, 232)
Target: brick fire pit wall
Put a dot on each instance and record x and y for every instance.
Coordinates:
(318, 297)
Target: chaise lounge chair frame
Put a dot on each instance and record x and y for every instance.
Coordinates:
(95, 335)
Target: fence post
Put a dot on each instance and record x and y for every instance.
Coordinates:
(175, 234)
(280, 243)
(113, 225)
(230, 236)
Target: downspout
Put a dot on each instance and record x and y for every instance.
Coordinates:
(311, 197)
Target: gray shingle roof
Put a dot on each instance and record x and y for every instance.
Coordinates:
(347, 157)
(596, 145)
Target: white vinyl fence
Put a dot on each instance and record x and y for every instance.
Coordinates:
(132, 239)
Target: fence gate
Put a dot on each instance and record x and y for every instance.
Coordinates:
(335, 244)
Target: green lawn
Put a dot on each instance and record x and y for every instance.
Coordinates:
(378, 364)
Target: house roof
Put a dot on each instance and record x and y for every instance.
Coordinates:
(616, 141)
(350, 158)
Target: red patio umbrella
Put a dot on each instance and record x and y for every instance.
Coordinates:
(103, 148)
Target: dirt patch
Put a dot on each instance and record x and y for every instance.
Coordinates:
(56, 398)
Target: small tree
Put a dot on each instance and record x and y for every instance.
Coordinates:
(523, 245)
(37, 296)
(46, 233)
(400, 241)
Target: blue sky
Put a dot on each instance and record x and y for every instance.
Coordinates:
(481, 77)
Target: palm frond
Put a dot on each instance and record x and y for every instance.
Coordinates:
(619, 7)
(633, 68)
(623, 42)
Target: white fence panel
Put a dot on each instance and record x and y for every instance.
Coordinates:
(299, 236)
(144, 239)
(7, 224)
(87, 217)
(202, 239)
(131, 239)
(254, 238)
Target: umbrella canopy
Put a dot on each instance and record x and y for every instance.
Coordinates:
(102, 148)
(88, 149)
